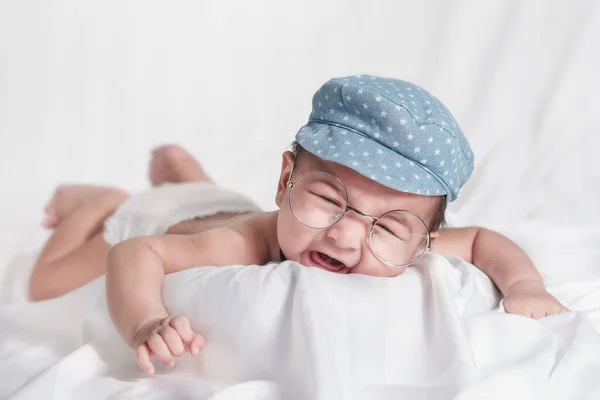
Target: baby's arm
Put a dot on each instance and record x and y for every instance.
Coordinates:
(505, 263)
(134, 278)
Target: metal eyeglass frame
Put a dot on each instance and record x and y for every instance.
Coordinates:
(290, 185)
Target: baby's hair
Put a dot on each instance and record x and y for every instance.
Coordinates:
(439, 218)
(296, 148)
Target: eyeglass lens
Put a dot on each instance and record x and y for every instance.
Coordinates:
(319, 200)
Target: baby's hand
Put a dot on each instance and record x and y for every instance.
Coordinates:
(530, 298)
(165, 338)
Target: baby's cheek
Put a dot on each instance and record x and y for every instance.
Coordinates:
(292, 238)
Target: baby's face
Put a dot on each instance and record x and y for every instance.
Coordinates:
(346, 241)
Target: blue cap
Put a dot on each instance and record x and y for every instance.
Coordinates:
(390, 131)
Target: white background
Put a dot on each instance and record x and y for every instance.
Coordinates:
(88, 88)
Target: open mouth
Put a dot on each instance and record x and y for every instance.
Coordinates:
(324, 261)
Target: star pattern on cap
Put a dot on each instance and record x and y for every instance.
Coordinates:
(396, 121)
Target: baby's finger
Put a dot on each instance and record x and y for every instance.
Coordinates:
(537, 314)
(197, 344)
(158, 346)
(558, 310)
(50, 221)
(551, 311)
(143, 358)
(173, 341)
(518, 311)
(183, 328)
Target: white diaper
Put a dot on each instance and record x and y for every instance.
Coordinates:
(153, 212)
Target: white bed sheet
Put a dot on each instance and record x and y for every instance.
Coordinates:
(291, 332)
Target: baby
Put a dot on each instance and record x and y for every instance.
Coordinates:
(364, 190)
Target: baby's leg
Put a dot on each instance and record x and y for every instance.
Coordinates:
(173, 164)
(66, 199)
(76, 253)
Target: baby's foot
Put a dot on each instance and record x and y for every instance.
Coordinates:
(173, 164)
(67, 198)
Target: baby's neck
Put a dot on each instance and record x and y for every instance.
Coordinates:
(270, 235)
(261, 229)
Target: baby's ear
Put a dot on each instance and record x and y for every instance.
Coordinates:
(287, 163)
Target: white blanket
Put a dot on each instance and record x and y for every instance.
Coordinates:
(290, 332)
(285, 331)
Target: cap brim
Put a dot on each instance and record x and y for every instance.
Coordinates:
(371, 159)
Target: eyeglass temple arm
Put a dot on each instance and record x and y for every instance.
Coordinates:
(289, 182)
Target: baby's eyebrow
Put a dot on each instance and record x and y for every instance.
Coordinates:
(332, 185)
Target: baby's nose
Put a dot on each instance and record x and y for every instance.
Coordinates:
(349, 232)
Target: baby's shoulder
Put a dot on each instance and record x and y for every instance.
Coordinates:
(226, 245)
(257, 233)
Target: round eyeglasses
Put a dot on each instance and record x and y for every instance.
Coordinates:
(319, 200)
